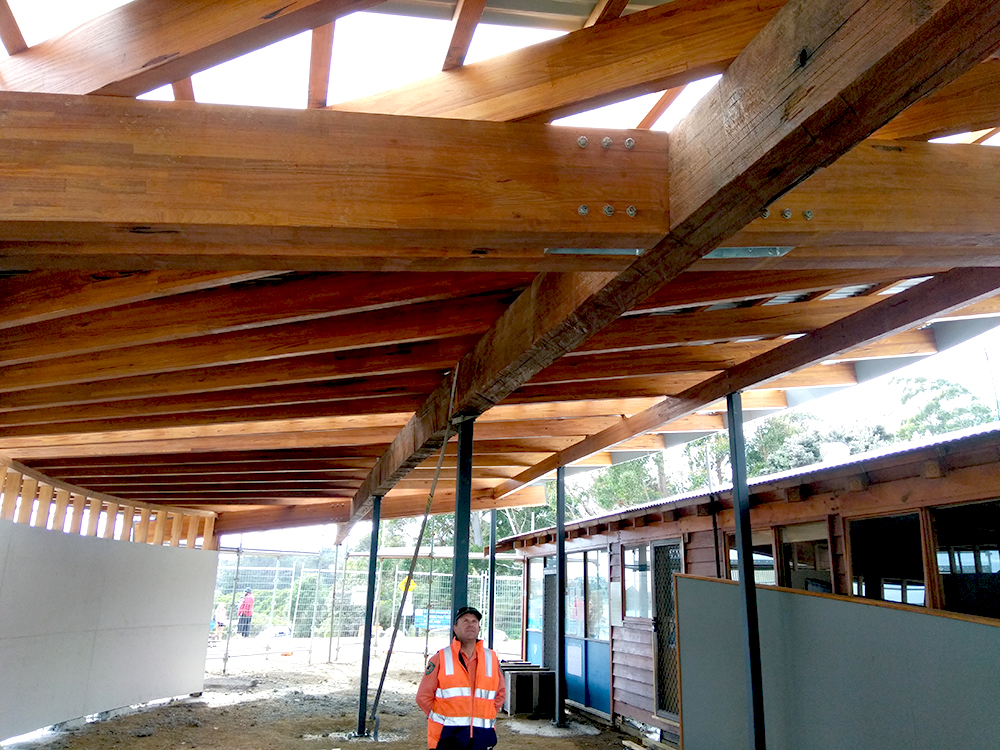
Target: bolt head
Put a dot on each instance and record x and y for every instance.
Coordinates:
(630, 143)
(582, 141)
(583, 210)
(609, 210)
(808, 214)
(786, 213)
(765, 213)
(606, 141)
(631, 211)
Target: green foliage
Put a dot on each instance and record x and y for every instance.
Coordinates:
(707, 458)
(941, 406)
(308, 593)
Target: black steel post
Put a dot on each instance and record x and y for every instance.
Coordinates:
(493, 575)
(560, 709)
(748, 589)
(366, 653)
(463, 516)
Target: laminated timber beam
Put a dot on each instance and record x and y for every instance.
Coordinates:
(971, 102)
(146, 44)
(820, 78)
(663, 47)
(949, 291)
(246, 176)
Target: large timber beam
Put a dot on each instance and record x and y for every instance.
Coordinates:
(256, 176)
(971, 102)
(938, 296)
(663, 47)
(146, 44)
(820, 78)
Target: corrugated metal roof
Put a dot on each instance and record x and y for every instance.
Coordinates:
(567, 15)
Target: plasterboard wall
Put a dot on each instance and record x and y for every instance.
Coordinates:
(836, 673)
(87, 625)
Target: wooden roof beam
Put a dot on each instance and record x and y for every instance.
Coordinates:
(320, 59)
(729, 176)
(341, 179)
(971, 102)
(464, 22)
(146, 44)
(49, 295)
(10, 32)
(949, 291)
(604, 11)
(663, 47)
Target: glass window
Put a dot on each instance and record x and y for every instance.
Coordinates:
(638, 600)
(597, 595)
(968, 557)
(536, 593)
(575, 596)
(763, 559)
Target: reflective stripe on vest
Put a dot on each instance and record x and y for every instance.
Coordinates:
(452, 721)
(486, 694)
(488, 654)
(484, 723)
(457, 692)
(449, 662)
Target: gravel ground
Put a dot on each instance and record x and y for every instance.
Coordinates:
(268, 701)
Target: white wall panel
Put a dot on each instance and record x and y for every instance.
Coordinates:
(837, 673)
(87, 625)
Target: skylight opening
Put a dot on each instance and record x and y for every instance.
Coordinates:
(40, 21)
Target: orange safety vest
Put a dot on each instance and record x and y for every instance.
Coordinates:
(456, 710)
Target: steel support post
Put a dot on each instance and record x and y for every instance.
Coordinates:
(748, 589)
(559, 718)
(493, 574)
(366, 653)
(463, 517)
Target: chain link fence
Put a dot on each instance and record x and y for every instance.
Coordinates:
(308, 608)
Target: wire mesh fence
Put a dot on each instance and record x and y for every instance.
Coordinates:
(309, 608)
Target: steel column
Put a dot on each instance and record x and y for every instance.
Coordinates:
(493, 575)
(463, 515)
(560, 708)
(748, 589)
(366, 653)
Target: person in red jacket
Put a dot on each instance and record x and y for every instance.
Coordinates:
(462, 690)
(245, 613)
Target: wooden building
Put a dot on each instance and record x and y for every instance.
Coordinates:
(219, 318)
(917, 526)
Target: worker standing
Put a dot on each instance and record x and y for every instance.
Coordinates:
(245, 613)
(462, 689)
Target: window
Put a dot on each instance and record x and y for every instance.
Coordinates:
(968, 557)
(597, 595)
(886, 559)
(536, 593)
(576, 594)
(805, 557)
(763, 558)
(635, 563)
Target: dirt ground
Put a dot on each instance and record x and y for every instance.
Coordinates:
(274, 702)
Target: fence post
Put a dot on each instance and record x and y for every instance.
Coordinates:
(333, 601)
(232, 607)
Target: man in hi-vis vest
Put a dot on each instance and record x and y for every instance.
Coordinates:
(462, 690)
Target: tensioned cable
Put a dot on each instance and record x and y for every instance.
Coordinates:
(416, 550)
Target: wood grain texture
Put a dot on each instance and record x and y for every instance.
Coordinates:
(946, 292)
(320, 58)
(10, 32)
(149, 43)
(282, 299)
(464, 23)
(666, 46)
(971, 102)
(246, 174)
(604, 11)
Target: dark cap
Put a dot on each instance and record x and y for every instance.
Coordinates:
(468, 611)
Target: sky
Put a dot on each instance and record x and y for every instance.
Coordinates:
(393, 51)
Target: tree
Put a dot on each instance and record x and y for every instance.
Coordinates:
(941, 406)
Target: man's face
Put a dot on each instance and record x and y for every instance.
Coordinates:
(467, 627)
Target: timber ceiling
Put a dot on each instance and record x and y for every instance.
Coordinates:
(264, 313)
